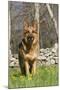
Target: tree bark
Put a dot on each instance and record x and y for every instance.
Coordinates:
(37, 18)
(52, 17)
(9, 35)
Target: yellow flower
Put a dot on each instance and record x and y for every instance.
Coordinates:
(22, 77)
(13, 77)
(30, 78)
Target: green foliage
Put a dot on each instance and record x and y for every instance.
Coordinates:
(45, 76)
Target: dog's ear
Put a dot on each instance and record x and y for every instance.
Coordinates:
(34, 24)
(26, 24)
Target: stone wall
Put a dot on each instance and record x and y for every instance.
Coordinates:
(46, 56)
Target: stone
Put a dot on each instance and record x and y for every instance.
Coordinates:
(41, 54)
(12, 59)
(48, 54)
(42, 50)
(56, 61)
(11, 64)
(47, 49)
(16, 64)
(41, 58)
(56, 54)
(55, 58)
(43, 63)
(48, 58)
(16, 56)
(52, 61)
(16, 60)
(53, 50)
(48, 63)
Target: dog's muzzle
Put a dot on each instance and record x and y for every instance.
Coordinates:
(30, 39)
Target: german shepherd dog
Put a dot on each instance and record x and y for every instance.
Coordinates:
(28, 48)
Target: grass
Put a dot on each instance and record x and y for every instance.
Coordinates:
(45, 76)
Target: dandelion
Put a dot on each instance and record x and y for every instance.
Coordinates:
(13, 77)
(22, 77)
(30, 78)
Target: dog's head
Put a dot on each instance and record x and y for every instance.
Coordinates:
(30, 32)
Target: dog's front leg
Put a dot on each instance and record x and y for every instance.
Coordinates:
(34, 67)
(27, 67)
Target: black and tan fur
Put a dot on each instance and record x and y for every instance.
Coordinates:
(28, 48)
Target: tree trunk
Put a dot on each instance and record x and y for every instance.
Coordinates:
(37, 18)
(52, 17)
(9, 34)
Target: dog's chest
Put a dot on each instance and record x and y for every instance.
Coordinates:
(32, 54)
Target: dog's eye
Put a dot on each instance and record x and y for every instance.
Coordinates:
(34, 31)
(26, 32)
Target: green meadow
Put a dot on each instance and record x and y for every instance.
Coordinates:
(45, 76)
